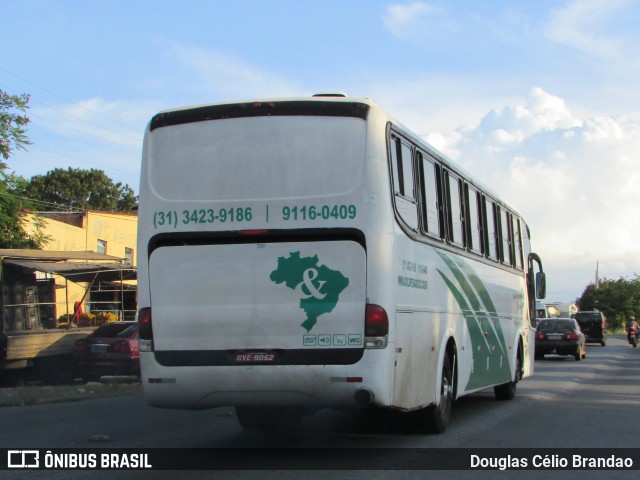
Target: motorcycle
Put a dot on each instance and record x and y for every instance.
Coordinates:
(632, 337)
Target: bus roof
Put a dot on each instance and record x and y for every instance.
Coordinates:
(330, 104)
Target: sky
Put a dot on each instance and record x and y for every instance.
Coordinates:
(539, 100)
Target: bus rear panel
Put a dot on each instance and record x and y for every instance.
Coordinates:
(256, 268)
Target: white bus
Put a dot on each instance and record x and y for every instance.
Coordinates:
(305, 253)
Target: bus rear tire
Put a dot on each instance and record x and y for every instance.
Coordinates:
(435, 418)
(507, 391)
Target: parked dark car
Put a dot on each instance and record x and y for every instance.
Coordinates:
(112, 349)
(594, 326)
(560, 336)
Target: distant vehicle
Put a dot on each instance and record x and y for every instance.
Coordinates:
(111, 349)
(560, 336)
(594, 326)
(563, 310)
(541, 310)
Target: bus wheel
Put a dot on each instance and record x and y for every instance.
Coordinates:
(435, 418)
(269, 418)
(507, 391)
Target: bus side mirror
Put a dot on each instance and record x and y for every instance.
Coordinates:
(541, 279)
(541, 285)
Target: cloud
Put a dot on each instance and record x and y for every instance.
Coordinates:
(214, 74)
(117, 122)
(575, 181)
(419, 21)
(91, 133)
(583, 25)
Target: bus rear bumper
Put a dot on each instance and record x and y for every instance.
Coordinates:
(317, 386)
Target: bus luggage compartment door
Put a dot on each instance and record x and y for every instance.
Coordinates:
(287, 303)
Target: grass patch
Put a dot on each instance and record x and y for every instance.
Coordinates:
(39, 394)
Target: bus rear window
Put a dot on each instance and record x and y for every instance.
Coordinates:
(257, 158)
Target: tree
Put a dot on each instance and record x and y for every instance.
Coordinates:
(13, 133)
(78, 189)
(617, 299)
(13, 122)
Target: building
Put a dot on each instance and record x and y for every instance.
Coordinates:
(110, 233)
(108, 238)
(83, 277)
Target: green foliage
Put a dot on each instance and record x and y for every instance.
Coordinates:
(73, 188)
(13, 121)
(78, 189)
(617, 299)
(12, 233)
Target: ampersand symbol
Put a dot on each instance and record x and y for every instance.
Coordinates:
(308, 277)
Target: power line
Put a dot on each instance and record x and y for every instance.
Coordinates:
(84, 120)
(137, 174)
(81, 132)
(61, 125)
(67, 100)
(85, 161)
(41, 202)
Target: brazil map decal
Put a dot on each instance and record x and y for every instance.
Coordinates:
(490, 358)
(317, 286)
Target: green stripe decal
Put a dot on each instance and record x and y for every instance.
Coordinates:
(489, 351)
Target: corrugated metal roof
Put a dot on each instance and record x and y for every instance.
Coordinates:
(76, 266)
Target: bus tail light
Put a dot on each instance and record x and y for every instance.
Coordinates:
(376, 327)
(145, 332)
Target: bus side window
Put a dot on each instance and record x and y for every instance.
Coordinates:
(403, 181)
(474, 225)
(455, 217)
(490, 230)
(432, 221)
(407, 172)
(517, 236)
(506, 235)
(396, 166)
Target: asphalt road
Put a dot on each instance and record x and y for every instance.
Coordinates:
(566, 404)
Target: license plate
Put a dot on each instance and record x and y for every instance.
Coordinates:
(554, 337)
(255, 357)
(99, 348)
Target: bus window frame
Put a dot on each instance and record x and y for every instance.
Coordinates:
(470, 190)
(423, 158)
(505, 219)
(398, 167)
(518, 241)
(395, 139)
(449, 175)
(494, 255)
